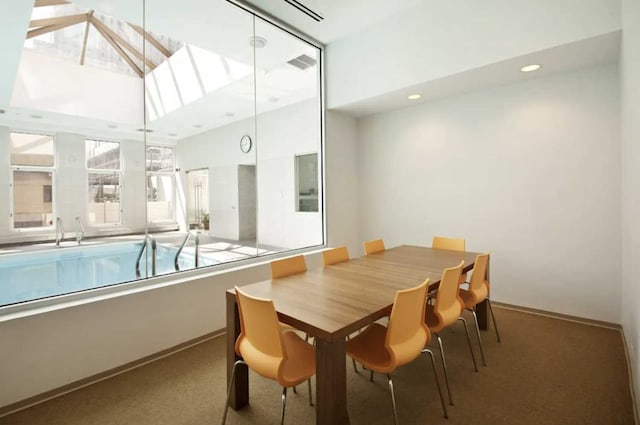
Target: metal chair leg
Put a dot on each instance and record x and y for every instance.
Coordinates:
(371, 376)
(233, 374)
(435, 376)
(475, 320)
(284, 404)
(444, 367)
(355, 368)
(310, 396)
(295, 391)
(493, 318)
(466, 331)
(393, 400)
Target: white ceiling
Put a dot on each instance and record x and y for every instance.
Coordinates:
(341, 17)
(580, 54)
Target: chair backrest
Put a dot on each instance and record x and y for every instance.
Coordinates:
(478, 285)
(407, 333)
(372, 247)
(451, 244)
(335, 255)
(448, 304)
(288, 266)
(260, 341)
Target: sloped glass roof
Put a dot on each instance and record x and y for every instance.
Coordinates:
(60, 30)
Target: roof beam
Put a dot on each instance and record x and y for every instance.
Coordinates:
(86, 36)
(56, 27)
(151, 39)
(117, 48)
(40, 3)
(70, 19)
(122, 42)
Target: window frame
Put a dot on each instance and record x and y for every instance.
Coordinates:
(119, 171)
(32, 168)
(171, 174)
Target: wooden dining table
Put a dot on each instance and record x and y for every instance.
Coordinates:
(331, 303)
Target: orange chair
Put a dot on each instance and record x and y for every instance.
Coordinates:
(281, 356)
(450, 244)
(446, 311)
(288, 266)
(383, 349)
(478, 292)
(335, 255)
(373, 247)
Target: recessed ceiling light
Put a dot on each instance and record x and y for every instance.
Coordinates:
(197, 126)
(257, 42)
(273, 99)
(229, 114)
(414, 96)
(112, 126)
(172, 134)
(2, 111)
(145, 130)
(531, 68)
(35, 116)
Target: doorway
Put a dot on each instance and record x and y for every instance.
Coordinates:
(198, 198)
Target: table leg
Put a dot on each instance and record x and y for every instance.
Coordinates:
(240, 394)
(331, 383)
(481, 309)
(481, 313)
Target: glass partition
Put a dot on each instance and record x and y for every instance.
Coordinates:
(135, 148)
(289, 135)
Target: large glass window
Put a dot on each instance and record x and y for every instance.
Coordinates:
(160, 184)
(204, 136)
(32, 161)
(103, 172)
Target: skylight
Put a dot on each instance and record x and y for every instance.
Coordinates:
(78, 34)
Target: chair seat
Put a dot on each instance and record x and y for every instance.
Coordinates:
(301, 362)
(470, 299)
(435, 323)
(368, 348)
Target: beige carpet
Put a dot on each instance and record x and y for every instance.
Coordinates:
(545, 371)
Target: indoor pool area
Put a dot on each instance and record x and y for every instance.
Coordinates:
(45, 270)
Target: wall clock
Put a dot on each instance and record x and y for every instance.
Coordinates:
(245, 144)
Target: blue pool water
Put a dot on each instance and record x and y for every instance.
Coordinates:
(35, 275)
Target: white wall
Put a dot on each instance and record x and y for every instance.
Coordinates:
(282, 134)
(51, 349)
(528, 171)
(342, 185)
(416, 45)
(630, 92)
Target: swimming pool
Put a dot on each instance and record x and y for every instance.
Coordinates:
(35, 275)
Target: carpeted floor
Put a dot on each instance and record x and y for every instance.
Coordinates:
(545, 371)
